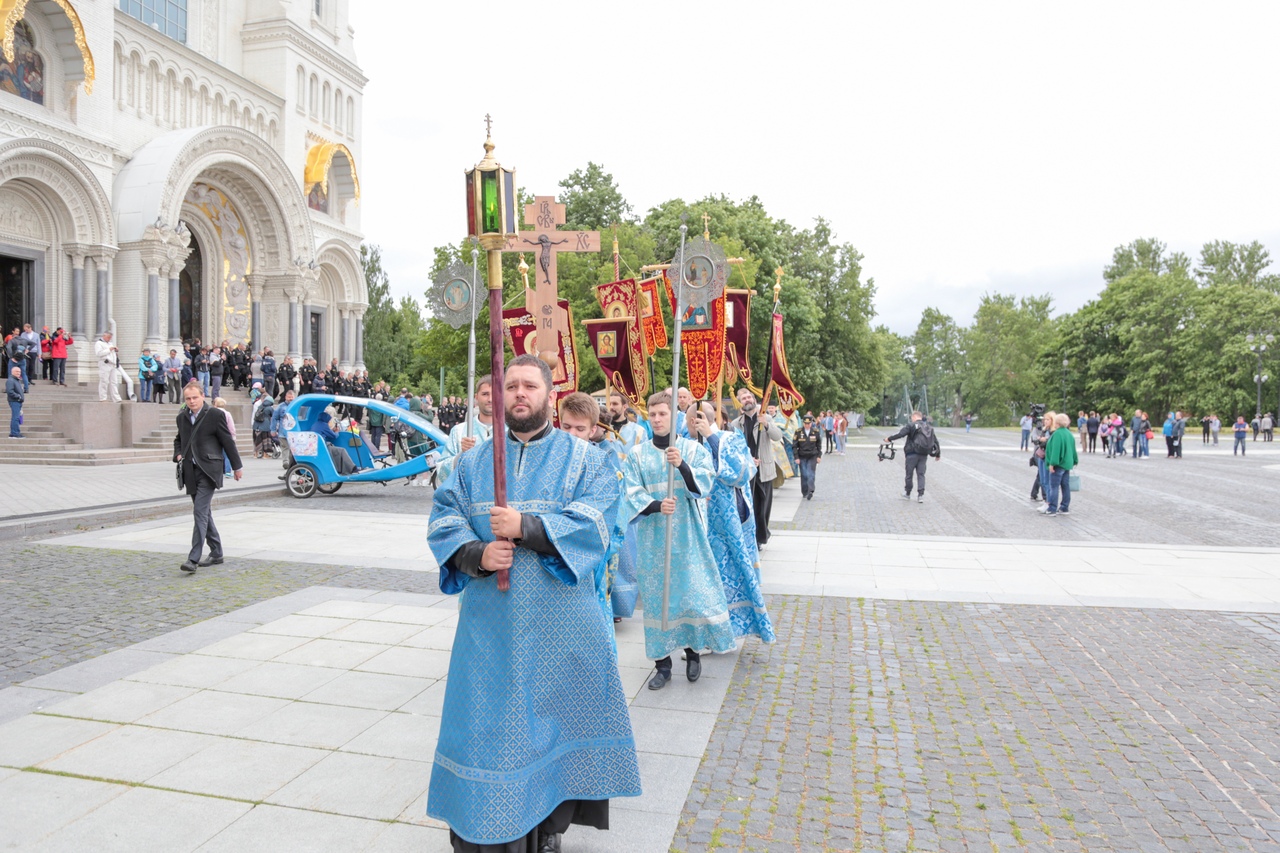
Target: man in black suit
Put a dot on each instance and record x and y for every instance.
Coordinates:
(203, 436)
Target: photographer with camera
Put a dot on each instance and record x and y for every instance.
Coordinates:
(921, 443)
(807, 445)
(1041, 426)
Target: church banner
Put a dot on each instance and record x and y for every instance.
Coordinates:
(522, 334)
(702, 340)
(789, 399)
(624, 299)
(609, 338)
(737, 338)
(655, 328)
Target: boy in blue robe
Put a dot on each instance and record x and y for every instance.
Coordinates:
(535, 732)
(698, 613)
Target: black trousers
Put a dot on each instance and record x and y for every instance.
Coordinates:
(582, 812)
(916, 463)
(205, 530)
(762, 503)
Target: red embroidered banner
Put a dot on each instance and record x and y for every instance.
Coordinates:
(609, 341)
(523, 336)
(622, 299)
(702, 340)
(789, 399)
(655, 328)
(737, 338)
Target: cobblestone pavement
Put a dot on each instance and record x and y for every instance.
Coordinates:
(950, 727)
(874, 724)
(982, 487)
(60, 606)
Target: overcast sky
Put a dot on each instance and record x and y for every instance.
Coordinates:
(961, 147)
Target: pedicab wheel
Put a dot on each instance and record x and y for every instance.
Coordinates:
(328, 488)
(301, 481)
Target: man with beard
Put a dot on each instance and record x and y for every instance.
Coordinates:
(571, 748)
(481, 429)
(629, 434)
(760, 432)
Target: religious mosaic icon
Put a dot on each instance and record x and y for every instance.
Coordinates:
(453, 297)
(702, 271)
(608, 345)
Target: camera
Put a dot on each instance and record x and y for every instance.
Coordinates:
(1036, 413)
(886, 451)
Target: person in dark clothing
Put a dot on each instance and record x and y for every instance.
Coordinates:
(807, 446)
(306, 377)
(203, 437)
(1091, 425)
(920, 445)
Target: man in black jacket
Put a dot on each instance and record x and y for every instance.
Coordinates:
(807, 446)
(203, 436)
(920, 445)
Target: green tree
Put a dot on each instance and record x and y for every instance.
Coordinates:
(938, 354)
(391, 331)
(1002, 374)
(592, 200)
(1223, 262)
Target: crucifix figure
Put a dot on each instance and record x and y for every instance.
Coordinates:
(543, 301)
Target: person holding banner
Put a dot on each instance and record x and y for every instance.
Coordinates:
(761, 432)
(697, 608)
(535, 732)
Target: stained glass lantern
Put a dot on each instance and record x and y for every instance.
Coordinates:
(491, 198)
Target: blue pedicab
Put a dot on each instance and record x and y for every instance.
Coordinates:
(415, 447)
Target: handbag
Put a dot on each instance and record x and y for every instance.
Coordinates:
(1150, 435)
(1073, 482)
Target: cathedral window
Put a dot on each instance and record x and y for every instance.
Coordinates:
(24, 76)
(318, 8)
(166, 16)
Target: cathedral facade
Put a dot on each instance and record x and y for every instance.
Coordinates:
(179, 169)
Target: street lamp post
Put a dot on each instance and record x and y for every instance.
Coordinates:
(1257, 346)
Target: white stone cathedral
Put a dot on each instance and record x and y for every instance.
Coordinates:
(178, 169)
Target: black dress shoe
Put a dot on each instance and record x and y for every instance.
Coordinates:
(692, 665)
(548, 843)
(660, 679)
(210, 561)
(189, 567)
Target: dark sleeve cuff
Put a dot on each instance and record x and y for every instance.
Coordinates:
(533, 535)
(689, 482)
(653, 507)
(467, 559)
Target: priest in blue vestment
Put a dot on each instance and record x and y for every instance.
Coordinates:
(728, 514)
(481, 429)
(698, 615)
(535, 733)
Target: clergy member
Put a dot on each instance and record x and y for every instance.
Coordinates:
(481, 429)
(698, 615)
(535, 732)
(730, 526)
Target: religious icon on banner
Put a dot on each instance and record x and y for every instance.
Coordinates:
(453, 298)
(607, 345)
(522, 331)
(655, 328)
(622, 300)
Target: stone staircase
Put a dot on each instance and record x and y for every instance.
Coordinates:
(42, 445)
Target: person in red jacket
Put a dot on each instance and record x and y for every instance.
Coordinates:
(58, 343)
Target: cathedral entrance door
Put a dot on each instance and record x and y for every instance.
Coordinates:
(15, 293)
(191, 296)
(314, 320)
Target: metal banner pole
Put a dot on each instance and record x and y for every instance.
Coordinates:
(471, 346)
(678, 312)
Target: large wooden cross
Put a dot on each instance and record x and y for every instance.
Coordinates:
(545, 242)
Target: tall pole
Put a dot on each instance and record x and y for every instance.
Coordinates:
(471, 345)
(442, 385)
(678, 316)
(493, 246)
(1257, 378)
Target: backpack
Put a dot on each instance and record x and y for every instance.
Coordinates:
(263, 417)
(924, 440)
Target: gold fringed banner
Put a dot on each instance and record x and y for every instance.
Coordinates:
(789, 399)
(737, 339)
(702, 339)
(624, 299)
(655, 328)
(608, 339)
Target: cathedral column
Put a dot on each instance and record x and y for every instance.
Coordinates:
(295, 293)
(344, 337)
(359, 354)
(255, 312)
(306, 324)
(102, 261)
(77, 293)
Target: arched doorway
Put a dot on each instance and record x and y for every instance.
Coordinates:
(16, 278)
(191, 293)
